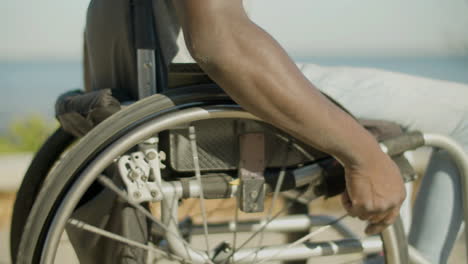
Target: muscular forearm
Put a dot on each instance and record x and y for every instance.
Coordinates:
(257, 73)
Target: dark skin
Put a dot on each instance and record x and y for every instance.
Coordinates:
(258, 74)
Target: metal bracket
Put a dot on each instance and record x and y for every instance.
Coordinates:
(146, 73)
(251, 167)
(141, 174)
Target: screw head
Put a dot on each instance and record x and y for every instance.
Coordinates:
(151, 156)
(154, 193)
(133, 175)
(136, 195)
(253, 194)
(144, 178)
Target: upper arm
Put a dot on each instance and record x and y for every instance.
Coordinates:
(209, 22)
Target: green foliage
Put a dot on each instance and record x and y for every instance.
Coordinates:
(25, 135)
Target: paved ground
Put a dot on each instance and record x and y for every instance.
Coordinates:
(12, 169)
(6, 202)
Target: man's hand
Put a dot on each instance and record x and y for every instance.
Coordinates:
(374, 192)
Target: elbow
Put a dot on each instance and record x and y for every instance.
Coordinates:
(205, 51)
(198, 49)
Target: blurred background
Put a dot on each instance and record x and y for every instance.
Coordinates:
(41, 49)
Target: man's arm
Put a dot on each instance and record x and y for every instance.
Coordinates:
(258, 74)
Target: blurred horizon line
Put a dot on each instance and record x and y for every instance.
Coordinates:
(295, 58)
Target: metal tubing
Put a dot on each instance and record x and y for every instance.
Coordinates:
(169, 214)
(146, 73)
(285, 224)
(461, 159)
(309, 249)
(302, 251)
(416, 257)
(391, 246)
(247, 255)
(310, 174)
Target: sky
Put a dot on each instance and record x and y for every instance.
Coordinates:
(52, 29)
(44, 29)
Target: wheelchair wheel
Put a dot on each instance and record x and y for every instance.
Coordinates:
(160, 189)
(40, 166)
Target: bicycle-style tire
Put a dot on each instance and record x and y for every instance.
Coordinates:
(33, 179)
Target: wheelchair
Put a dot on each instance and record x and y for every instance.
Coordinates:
(191, 146)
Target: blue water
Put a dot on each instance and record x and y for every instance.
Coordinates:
(32, 87)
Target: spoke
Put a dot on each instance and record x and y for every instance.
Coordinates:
(90, 228)
(264, 225)
(157, 173)
(111, 185)
(234, 238)
(284, 209)
(320, 230)
(305, 238)
(171, 215)
(278, 186)
(196, 164)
